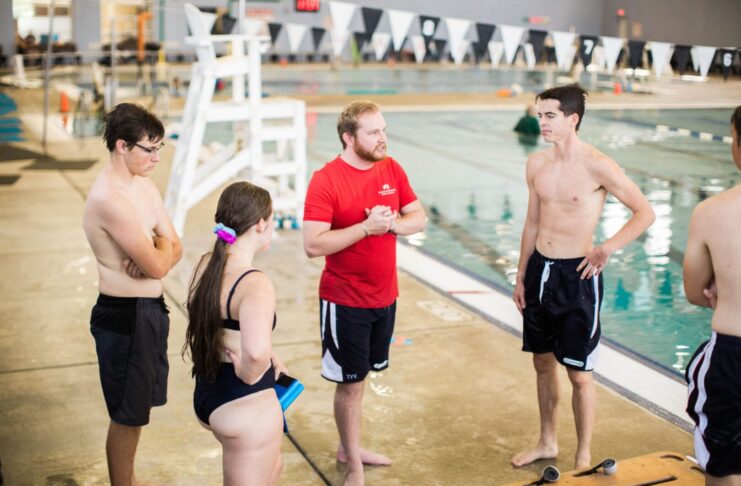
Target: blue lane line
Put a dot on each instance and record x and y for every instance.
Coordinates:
(707, 136)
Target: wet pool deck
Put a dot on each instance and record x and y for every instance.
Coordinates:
(457, 402)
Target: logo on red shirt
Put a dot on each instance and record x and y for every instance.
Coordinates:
(386, 190)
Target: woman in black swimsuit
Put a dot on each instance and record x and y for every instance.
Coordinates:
(231, 308)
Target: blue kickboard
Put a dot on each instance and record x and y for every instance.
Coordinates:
(288, 389)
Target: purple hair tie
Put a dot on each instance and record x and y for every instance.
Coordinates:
(225, 233)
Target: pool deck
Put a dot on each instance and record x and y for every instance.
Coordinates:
(457, 402)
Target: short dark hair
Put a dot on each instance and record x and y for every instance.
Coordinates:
(736, 124)
(572, 98)
(129, 122)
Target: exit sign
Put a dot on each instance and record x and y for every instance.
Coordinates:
(307, 5)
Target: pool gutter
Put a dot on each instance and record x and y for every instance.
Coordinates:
(641, 382)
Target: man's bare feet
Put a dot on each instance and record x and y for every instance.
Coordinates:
(354, 478)
(582, 460)
(368, 457)
(540, 452)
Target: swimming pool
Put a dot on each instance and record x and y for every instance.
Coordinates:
(468, 170)
(410, 79)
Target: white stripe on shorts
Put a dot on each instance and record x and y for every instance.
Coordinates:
(595, 283)
(330, 368)
(701, 451)
(544, 278)
(333, 323)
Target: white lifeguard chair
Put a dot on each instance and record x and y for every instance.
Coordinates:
(280, 123)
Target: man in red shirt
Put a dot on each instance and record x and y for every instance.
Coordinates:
(355, 206)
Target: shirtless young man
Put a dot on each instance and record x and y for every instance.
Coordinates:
(559, 282)
(712, 279)
(135, 246)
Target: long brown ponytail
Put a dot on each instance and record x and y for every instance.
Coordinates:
(241, 206)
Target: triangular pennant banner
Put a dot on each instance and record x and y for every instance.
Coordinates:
(586, 48)
(296, 34)
(695, 59)
(485, 32)
(274, 31)
(479, 51)
(400, 23)
(224, 25)
(361, 38)
(341, 13)
(681, 56)
(428, 26)
(705, 55)
(635, 49)
(612, 47)
(371, 17)
(440, 47)
(458, 53)
(380, 41)
(457, 30)
(661, 52)
(317, 34)
(511, 38)
(496, 49)
(564, 43)
(419, 46)
(537, 39)
(727, 57)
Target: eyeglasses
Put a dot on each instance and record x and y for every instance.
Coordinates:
(151, 150)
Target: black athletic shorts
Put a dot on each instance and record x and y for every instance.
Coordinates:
(561, 315)
(131, 341)
(714, 403)
(354, 340)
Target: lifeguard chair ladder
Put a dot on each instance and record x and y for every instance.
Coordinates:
(279, 122)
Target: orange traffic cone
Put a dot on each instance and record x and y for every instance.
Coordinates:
(63, 103)
(617, 88)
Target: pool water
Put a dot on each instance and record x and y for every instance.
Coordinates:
(435, 79)
(468, 170)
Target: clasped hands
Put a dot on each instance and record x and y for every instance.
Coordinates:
(380, 220)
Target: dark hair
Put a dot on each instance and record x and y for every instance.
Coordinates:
(129, 122)
(736, 124)
(347, 122)
(572, 98)
(241, 206)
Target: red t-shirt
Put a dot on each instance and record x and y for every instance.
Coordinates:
(364, 274)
